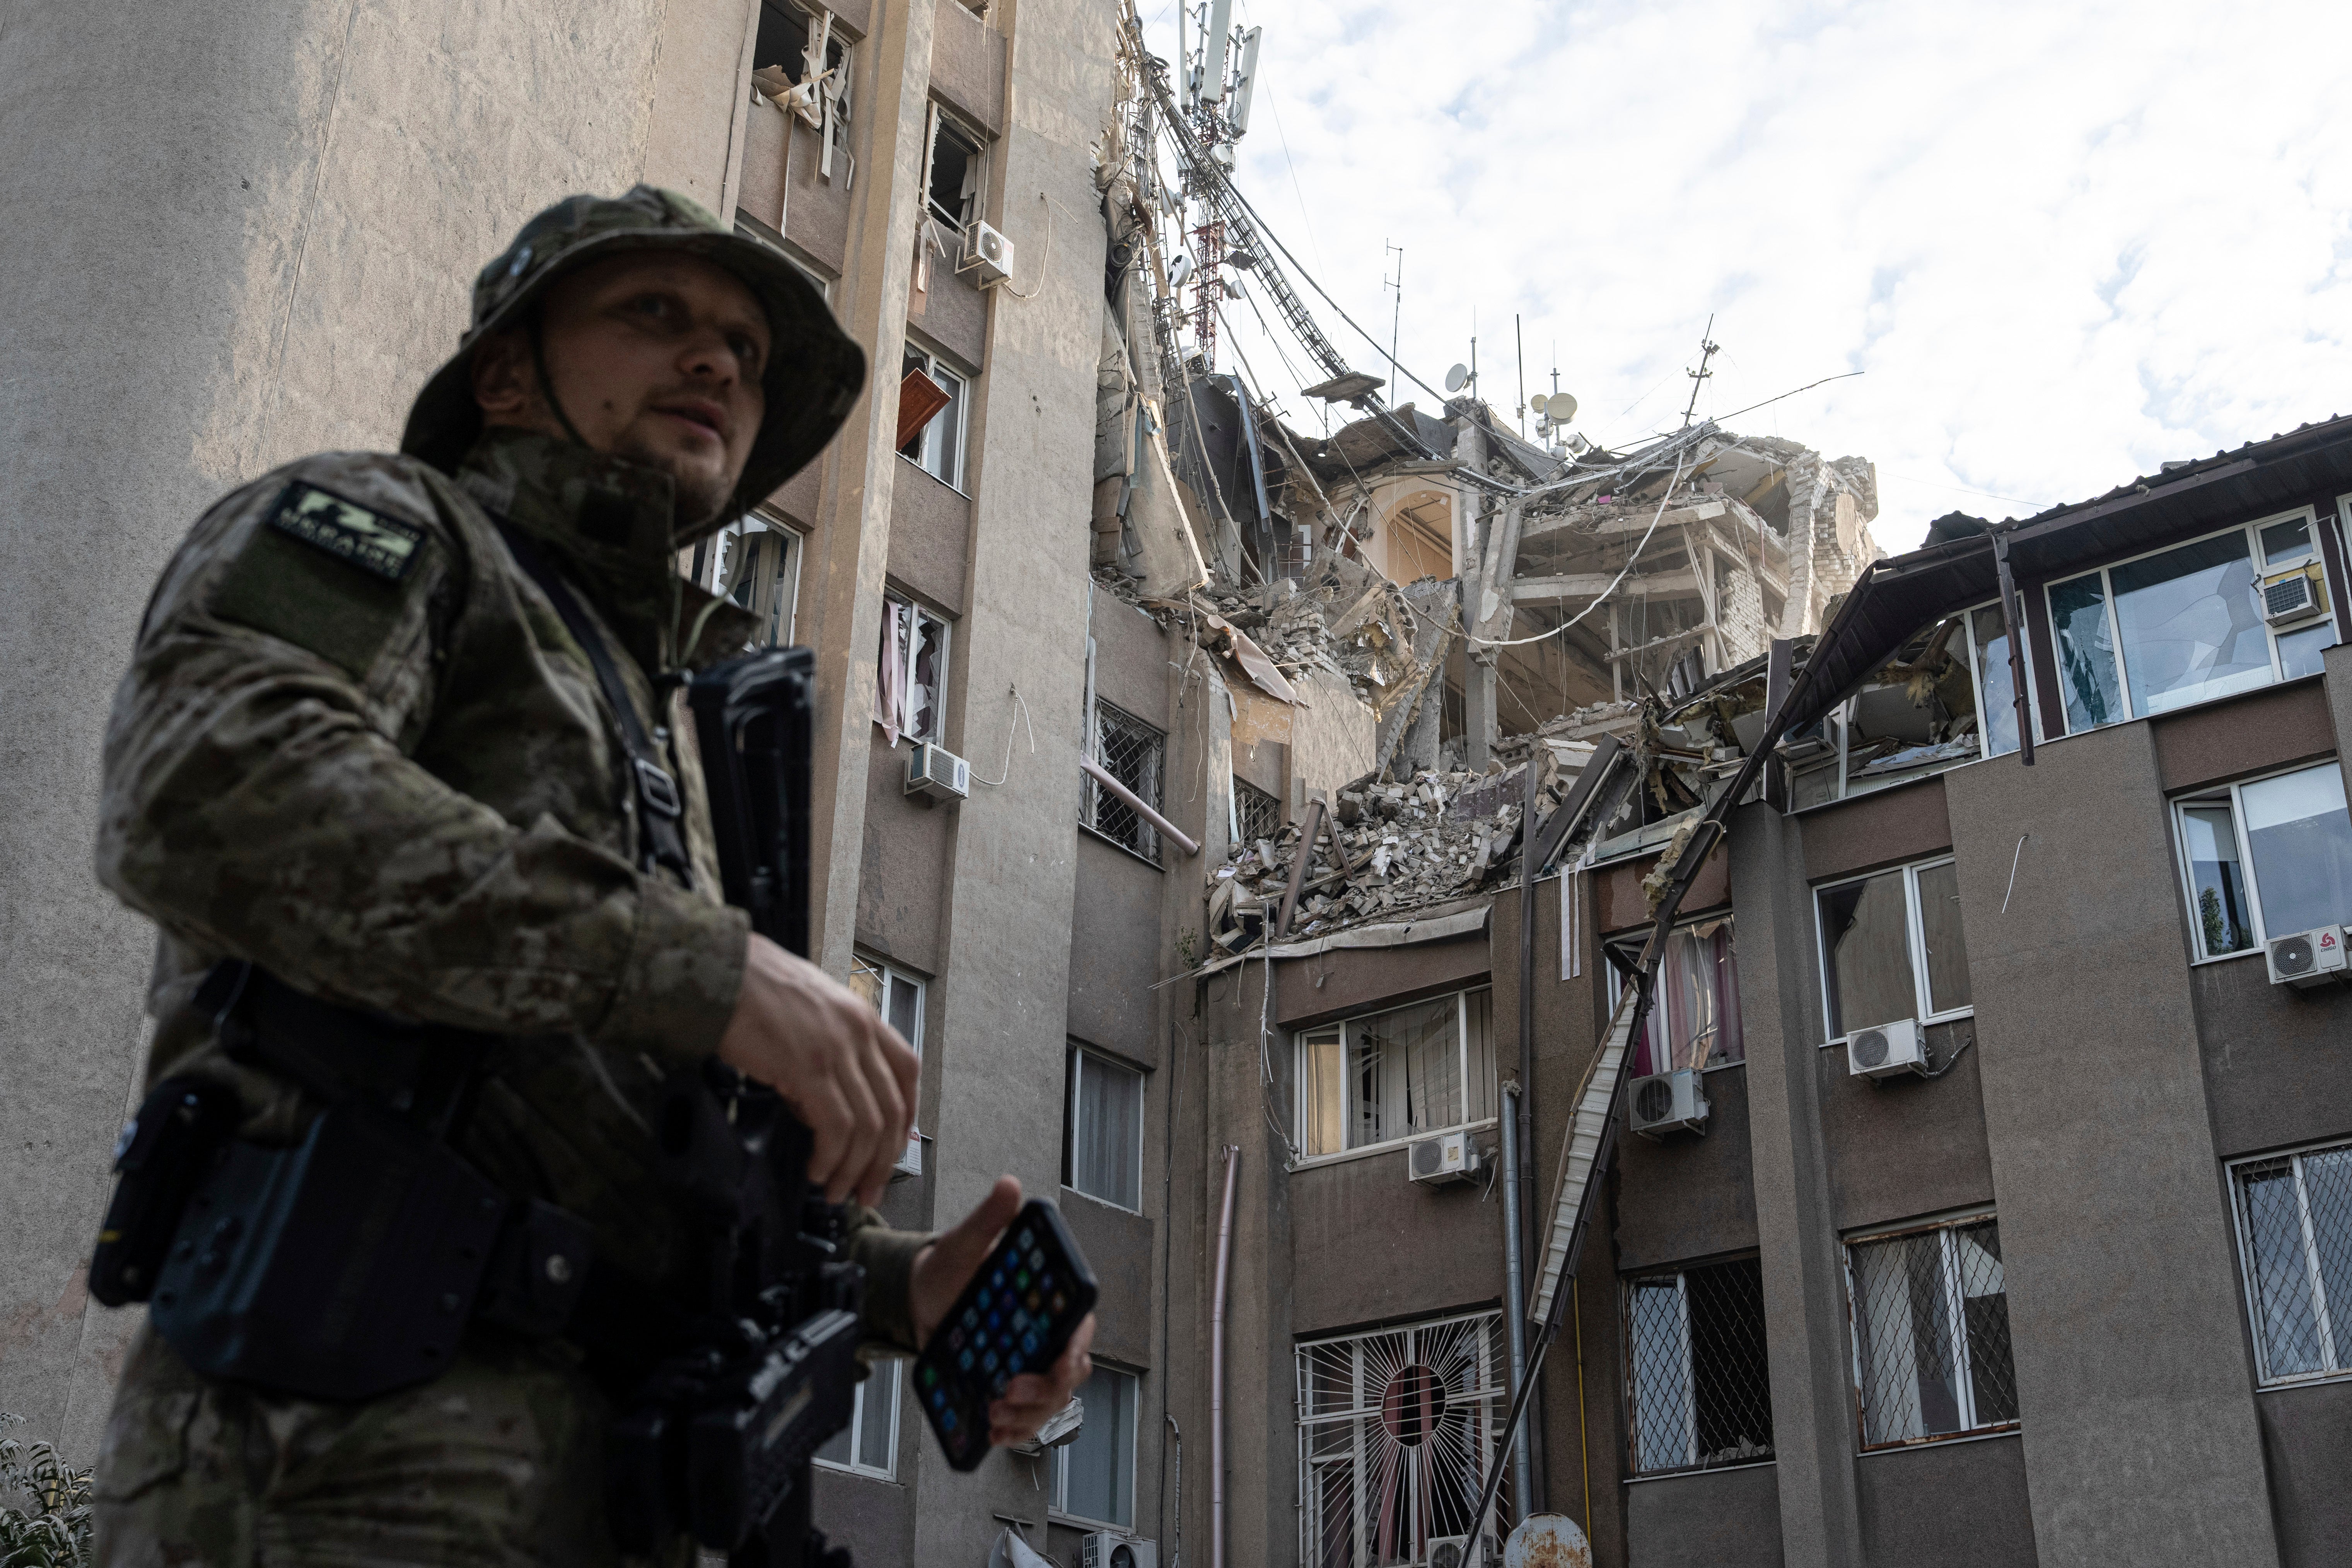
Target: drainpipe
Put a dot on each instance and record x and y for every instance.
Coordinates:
(1515, 1312)
(1523, 1180)
(1217, 1365)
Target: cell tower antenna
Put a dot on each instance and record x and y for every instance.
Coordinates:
(1519, 354)
(1699, 376)
(1396, 318)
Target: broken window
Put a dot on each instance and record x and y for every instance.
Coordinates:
(1694, 1020)
(2191, 622)
(1397, 1430)
(1917, 715)
(1931, 1333)
(1698, 1378)
(868, 1446)
(911, 674)
(1892, 948)
(1094, 1472)
(899, 997)
(938, 447)
(1256, 813)
(1425, 1068)
(1996, 686)
(2295, 1239)
(955, 175)
(2266, 859)
(1102, 1154)
(755, 564)
(781, 44)
(1130, 750)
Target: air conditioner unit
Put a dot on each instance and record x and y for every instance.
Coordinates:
(1885, 1049)
(1668, 1102)
(933, 770)
(1455, 1552)
(1448, 1157)
(2293, 597)
(988, 253)
(1110, 1549)
(2308, 958)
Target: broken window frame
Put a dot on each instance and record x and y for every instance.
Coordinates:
(2230, 798)
(1149, 782)
(841, 58)
(1977, 656)
(882, 985)
(2312, 1259)
(1915, 946)
(1118, 1424)
(939, 447)
(2116, 655)
(1474, 1086)
(1690, 929)
(1085, 1061)
(770, 586)
(1838, 725)
(1689, 1405)
(873, 1414)
(975, 178)
(1960, 1340)
(902, 613)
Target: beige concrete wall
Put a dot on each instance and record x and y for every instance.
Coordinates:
(243, 230)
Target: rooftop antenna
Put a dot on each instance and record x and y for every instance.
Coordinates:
(1519, 345)
(1397, 317)
(1699, 376)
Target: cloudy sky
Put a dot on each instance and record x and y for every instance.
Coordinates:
(2064, 242)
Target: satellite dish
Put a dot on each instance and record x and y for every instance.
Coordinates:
(1456, 377)
(1180, 271)
(1560, 407)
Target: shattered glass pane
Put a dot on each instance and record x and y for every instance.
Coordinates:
(2301, 838)
(2191, 628)
(1996, 691)
(2086, 653)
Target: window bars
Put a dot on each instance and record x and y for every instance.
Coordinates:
(2295, 1226)
(1699, 1384)
(1931, 1333)
(1129, 751)
(1396, 1429)
(1256, 813)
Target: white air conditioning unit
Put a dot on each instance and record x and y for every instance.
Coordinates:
(2293, 597)
(1885, 1049)
(988, 253)
(933, 770)
(2308, 958)
(1455, 1552)
(1110, 1549)
(1448, 1157)
(1667, 1102)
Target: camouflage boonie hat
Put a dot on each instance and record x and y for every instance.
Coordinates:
(814, 374)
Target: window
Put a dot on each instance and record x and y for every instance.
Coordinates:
(1129, 751)
(1396, 1431)
(955, 173)
(1931, 1333)
(1695, 1017)
(1892, 948)
(911, 673)
(755, 563)
(782, 42)
(1094, 1472)
(2295, 1236)
(2182, 625)
(1103, 1157)
(899, 997)
(2265, 859)
(1699, 1384)
(868, 1446)
(1927, 708)
(938, 447)
(1409, 1071)
(1256, 813)
(1996, 686)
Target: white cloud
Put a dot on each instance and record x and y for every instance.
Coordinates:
(2063, 243)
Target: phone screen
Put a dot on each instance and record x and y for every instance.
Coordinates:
(1016, 1316)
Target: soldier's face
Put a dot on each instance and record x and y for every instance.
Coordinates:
(656, 358)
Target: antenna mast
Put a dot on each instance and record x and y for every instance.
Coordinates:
(1699, 376)
(1218, 88)
(1397, 318)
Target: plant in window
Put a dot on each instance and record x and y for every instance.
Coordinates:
(2266, 859)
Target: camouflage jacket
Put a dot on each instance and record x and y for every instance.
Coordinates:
(357, 745)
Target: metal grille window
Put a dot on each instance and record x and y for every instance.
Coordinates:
(1700, 1384)
(1931, 1333)
(1130, 750)
(1396, 1429)
(1256, 815)
(2294, 1235)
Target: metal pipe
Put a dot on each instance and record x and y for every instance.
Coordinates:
(2013, 621)
(1134, 803)
(1523, 1179)
(1176, 1546)
(1217, 1364)
(1514, 1286)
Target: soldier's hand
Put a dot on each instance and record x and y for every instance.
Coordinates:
(940, 1272)
(845, 1072)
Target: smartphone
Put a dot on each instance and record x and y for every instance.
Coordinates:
(1016, 1316)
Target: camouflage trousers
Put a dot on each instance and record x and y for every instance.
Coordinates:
(497, 1463)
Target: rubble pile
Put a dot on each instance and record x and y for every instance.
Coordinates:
(1350, 622)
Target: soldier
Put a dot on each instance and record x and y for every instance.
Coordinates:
(358, 746)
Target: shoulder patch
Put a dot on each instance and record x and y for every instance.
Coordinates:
(347, 531)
